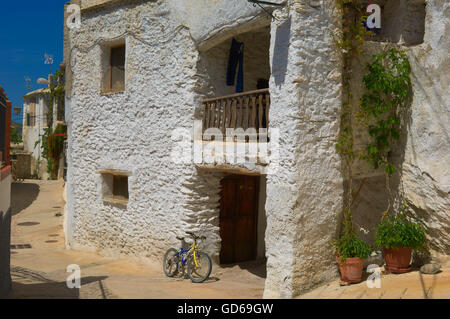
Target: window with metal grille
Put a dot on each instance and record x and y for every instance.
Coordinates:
(32, 112)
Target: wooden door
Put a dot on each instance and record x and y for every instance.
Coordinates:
(238, 218)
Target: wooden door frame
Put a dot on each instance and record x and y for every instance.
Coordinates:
(255, 208)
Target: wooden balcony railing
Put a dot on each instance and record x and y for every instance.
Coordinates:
(241, 110)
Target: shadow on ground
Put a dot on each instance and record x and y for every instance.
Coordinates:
(29, 284)
(22, 196)
(255, 267)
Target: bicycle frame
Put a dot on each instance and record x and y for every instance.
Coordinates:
(187, 252)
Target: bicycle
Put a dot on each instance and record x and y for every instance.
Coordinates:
(199, 264)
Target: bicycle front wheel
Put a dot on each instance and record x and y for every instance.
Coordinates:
(199, 272)
(170, 262)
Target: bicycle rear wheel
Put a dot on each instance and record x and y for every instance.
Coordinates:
(171, 262)
(201, 272)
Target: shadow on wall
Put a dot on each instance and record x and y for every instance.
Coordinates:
(44, 288)
(281, 52)
(5, 241)
(371, 195)
(22, 196)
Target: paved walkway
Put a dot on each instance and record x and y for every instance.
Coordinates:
(40, 271)
(413, 285)
(39, 261)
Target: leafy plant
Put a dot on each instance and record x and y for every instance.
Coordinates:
(55, 145)
(15, 138)
(349, 245)
(397, 231)
(388, 86)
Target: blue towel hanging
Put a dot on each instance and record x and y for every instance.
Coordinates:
(236, 57)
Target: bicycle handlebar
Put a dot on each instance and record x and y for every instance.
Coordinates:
(195, 236)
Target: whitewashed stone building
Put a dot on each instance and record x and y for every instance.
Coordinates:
(35, 109)
(36, 120)
(138, 71)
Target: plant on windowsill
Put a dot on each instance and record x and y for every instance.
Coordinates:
(398, 236)
(350, 252)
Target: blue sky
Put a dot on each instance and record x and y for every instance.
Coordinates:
(28, 30)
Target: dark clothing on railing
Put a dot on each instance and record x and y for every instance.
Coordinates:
(236, 57)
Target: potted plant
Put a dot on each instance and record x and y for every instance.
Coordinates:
(398, 236)
(350, 252)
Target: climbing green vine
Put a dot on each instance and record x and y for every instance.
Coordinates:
(387, 90)
(388, 87)
(350, 41)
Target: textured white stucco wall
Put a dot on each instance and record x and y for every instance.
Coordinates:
(422, 154)
(165, 83)
(426, 170)
(164, 86)
(216, 20)
(131, 131)
(304, 197)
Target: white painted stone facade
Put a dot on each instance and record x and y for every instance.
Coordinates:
(423, 151)
(31, 133)
(173, 51)
(426, 169)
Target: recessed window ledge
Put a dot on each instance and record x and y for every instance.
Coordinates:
(115, 201)
(111, 92)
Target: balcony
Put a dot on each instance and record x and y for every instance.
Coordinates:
(234, 133)
(243, 110)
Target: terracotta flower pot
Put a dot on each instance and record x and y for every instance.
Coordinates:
(351, 269)
(398, 259)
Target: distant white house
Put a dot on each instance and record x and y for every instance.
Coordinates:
(35, 109)
(36, 120)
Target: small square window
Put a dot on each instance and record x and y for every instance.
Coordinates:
(115, 187)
